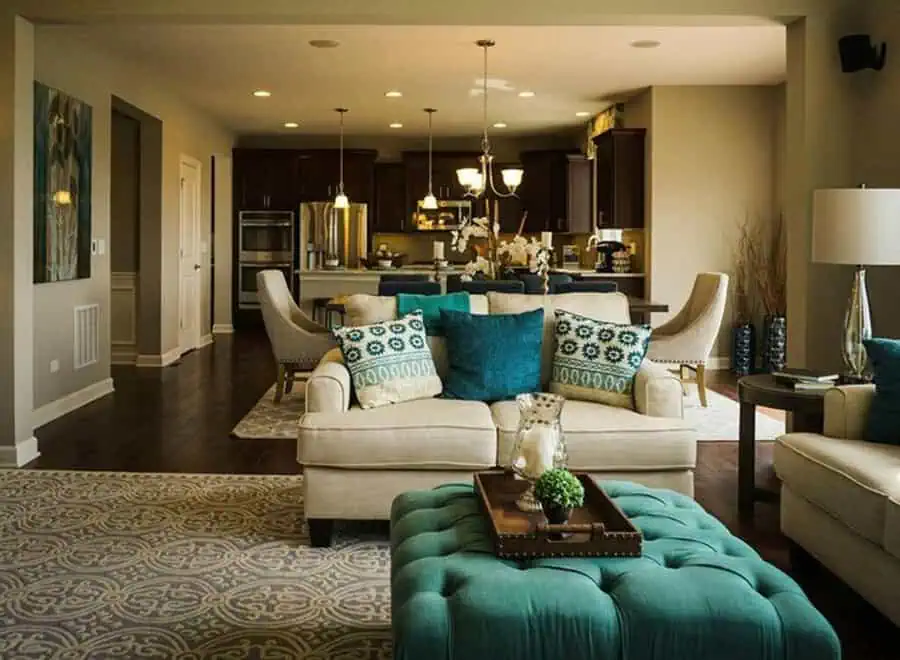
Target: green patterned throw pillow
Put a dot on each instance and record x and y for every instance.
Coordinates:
(596, 360)
(390, 361)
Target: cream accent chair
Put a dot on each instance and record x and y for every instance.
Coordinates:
(688, 338)
(355, 462)
(297, 342)
(840, 498)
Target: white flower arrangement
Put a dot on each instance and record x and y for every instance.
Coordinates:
(519, 250)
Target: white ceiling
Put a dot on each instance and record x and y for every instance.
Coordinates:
(570, 69)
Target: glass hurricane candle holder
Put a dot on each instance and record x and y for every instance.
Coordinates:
(540, 443)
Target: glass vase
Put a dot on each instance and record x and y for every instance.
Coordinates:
(540, 443)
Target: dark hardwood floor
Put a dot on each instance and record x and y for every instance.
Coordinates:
(178, 419)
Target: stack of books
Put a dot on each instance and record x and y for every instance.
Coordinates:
(805, 379)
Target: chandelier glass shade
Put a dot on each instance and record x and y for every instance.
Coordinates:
(340, 200)
(479, 181)
(429, 202)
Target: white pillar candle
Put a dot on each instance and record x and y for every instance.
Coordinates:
(547, 239)
(439, 250)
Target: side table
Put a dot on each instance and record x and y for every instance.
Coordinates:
(807, 408)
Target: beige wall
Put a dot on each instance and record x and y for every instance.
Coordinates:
(124, 193)
(712, 161)
(64, 59)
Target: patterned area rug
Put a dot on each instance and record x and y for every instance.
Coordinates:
(118, 565)
(717, 422)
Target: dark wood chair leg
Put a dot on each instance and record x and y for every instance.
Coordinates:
(320, 531)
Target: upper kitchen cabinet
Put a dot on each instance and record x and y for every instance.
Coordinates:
(620, 178)
(544, 190)
(390, 198)
(580, 185)
(444, 183)
(265, 179)
(319, 175)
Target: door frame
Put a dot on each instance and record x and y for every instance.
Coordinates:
(189, 161)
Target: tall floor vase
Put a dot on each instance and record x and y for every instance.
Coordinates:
(774, 343)
(743, 348)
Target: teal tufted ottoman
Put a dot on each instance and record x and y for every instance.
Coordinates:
(698, 593)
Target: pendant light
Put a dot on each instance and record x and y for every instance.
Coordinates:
(429, 203)
(340, 200)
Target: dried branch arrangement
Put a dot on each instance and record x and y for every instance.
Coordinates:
(760, 269)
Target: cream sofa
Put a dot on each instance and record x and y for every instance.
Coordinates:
(357, 461)
(840, 499)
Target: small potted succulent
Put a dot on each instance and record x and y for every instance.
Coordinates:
(559, 491)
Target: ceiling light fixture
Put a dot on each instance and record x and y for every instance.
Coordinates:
(429, 203)
(645, 43)
(393, 94)
(582, 113)
(340, 200)
(324, 43)
(526, 94)
(291, 124)
(500, 124)
(262, 94)
(478, 183)
(396, 124)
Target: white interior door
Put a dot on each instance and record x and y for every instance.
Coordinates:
(190, 264)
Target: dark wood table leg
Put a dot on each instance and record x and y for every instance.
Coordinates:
(747, 460)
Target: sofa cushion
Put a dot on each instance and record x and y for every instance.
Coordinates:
(612, 307)
(607, 438)
(492, 357)
(431, 307)
(431, 434)
(597, 360)
(851, 480)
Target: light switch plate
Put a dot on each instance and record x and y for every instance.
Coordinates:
(54, 366)
(95, 246)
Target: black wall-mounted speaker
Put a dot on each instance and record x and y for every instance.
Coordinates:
(858, 53)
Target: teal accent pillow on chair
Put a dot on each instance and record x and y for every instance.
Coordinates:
(431, 307)
(884, 416)
(492, 357)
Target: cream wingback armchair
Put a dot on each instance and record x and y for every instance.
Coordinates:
(689, 337)
(297, 342)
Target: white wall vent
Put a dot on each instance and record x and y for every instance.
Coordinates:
(87, 335)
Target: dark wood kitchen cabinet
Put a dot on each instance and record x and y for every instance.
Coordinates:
(319, 175)
(620, 178)
(579, 193)
(544, 190)
(390, 214)
(265, 179)
(445, 184)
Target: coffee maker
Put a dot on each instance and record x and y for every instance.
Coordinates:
(607, 243)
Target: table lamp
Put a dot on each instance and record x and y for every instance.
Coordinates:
(859, 227)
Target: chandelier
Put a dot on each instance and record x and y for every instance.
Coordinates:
(340, 200)
(480, 181)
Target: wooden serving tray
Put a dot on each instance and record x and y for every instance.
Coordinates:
(597, 529)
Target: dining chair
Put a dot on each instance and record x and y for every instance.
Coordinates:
(426, 288)
(483, 286)
(594, 286)
(688, 338)
(298, 342)
(534, 283)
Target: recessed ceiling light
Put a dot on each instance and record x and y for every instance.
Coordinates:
(500, 124)
(582, 113)
(645, 43)
(396, 124)
(324, 43)
(261, 93)
(393, 94)
(525, 94)
(291, 124)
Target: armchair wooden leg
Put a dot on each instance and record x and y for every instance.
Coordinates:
(279, 384)
(701, 384)
(682, 380)
(289, 379)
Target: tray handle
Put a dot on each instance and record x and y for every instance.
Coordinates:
(594, 529)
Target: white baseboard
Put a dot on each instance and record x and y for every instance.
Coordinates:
(205, 340)
(158, 361)
(63, 406)
(223, 329)
(22, 454)
(123, 354)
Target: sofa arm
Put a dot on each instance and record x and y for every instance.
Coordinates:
(328, 387)
(657, 391)
(847, 410)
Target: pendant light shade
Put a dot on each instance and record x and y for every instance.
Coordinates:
(429, 202)
(340, 200)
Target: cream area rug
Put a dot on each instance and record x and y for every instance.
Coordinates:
(720, 421)
(118, 565)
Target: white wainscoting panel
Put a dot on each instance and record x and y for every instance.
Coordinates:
(123, 321)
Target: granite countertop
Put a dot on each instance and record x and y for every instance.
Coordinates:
(374, 272)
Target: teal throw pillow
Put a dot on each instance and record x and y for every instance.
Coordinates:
(492, 357)
(883, 424)
(597, 360)
(431, 307)
(390, 361)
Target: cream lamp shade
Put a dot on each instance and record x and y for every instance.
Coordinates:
(856, 226)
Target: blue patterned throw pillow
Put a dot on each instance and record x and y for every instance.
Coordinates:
(883, 424)
(597, 360)
(390, 361)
